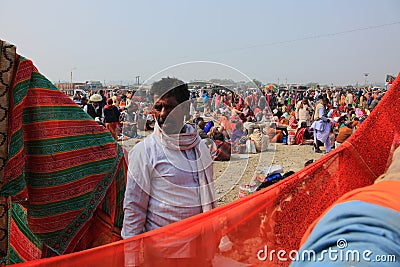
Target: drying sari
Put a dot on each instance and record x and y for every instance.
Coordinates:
(63, 174)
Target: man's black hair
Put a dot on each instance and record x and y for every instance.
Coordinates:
(219, 136)
(342, 119)
(198, 119)
(171, 87)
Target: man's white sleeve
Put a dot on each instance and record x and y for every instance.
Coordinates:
(136, 194)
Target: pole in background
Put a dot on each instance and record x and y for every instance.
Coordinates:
(366, 75)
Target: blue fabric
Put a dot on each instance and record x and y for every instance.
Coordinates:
(364, 227)
(273, 177)
(208, 126)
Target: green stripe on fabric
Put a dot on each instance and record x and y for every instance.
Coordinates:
(50, 113)
(97, 196)
(120, 181)
(38, 180)
(20, 218)
(51, 209)
(16, 143)
(14, 186)
(39, 81)
(65, 144)
(13, 257)
(20, 91)
(106, 205)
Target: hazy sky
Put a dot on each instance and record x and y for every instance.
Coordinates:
(325, 41)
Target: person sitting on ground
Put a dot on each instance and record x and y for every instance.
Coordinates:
(238, 138)
(249, 125)
(274, 135)
(208, 126)
(342, 122)
(216, 134)
(247, 112)
(281, 127)
(222, 146)
(344, 133)
(258, 114)
(265, 120)
(293, 121)
(304, 135)
(284, 119)
(223, 130)
(197, 119)
(260, 140)
(238, 132)
(356, 123)
(228, 124)
(200, 129)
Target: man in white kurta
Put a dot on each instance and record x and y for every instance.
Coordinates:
(163, 184)
(170, 178)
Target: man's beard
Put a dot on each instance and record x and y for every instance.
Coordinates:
(169, 126)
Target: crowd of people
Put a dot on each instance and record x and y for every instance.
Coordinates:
(248, 121)
(123, 117)
(313, 117)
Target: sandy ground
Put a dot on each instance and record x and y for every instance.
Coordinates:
(242, 168)
(229, 175)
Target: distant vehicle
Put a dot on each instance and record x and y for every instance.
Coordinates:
(93, 85)
(72, 92)
(295, 87)
(378, 88)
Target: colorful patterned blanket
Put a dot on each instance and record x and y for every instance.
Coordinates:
(62, 170)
